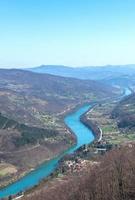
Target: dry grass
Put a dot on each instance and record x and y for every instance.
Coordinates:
(7, 169)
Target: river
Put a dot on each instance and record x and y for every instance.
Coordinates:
(84, 136)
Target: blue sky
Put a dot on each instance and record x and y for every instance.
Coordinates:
(68, 32)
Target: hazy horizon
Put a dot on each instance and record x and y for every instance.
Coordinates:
(60, 65)
(74, 33)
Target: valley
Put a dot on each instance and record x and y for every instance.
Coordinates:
(91, 162)
(67, 100)
(32, 107)
(38, 132)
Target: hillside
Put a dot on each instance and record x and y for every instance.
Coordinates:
(28, 135)
(124, 112)
(23, 147)
(112, 178)
(32, 107)
(27, 96)
(115, 120)
(108, 174)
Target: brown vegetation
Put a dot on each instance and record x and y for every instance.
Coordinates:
(125, 112)
(113, 179)
(27, 96)
(31, 115)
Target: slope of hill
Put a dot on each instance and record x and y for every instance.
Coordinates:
(23, 147)
(125, 113)
(31, 121)
(113, 178)
(26, 96)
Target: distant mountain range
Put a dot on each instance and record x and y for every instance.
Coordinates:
(118, 74)
(89, 72)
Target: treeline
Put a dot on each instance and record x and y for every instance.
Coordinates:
(125, 119)
(29, 135)
(7, 123)
(32, 135)
(112, 179)
(124, 112)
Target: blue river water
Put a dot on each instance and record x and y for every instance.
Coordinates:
(84, 136)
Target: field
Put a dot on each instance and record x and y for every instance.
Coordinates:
(7, 169)
(101, 115)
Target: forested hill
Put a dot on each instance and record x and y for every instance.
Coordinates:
(25, 95)
(125, 112)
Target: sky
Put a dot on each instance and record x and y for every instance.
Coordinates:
(66, 32)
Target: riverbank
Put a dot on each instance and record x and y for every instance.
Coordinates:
(84, 150)
(101, 116)
(93, 126)
(62, 147)
(45, 169)
(83, 139)
(58, 173)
